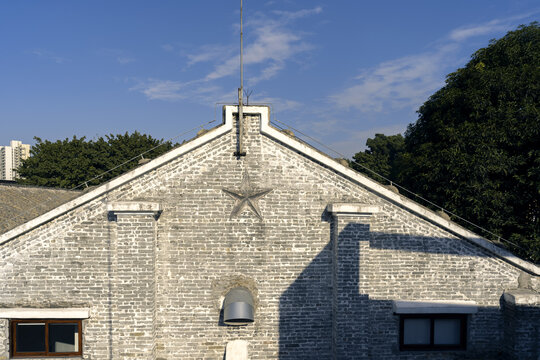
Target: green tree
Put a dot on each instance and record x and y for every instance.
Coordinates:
(382, 155)
(475, 146)
(72, 162)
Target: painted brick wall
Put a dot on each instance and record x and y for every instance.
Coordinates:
(155, 286)
(522, 324)
(4, 336)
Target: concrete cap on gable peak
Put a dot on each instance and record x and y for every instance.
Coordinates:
(230, 110)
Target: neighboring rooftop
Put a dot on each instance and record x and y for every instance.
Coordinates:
(21, 203)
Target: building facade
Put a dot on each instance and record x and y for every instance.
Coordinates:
(11, 158)
(314, 260)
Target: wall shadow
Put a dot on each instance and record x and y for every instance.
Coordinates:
(305, 312)
(326, 313)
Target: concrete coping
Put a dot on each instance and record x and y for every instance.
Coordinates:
(522, 297)
(434, 307)
(351, 208)
(140, 207)
(44, 313)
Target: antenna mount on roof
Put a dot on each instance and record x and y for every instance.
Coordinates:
(240, 152)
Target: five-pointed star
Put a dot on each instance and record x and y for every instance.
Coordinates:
(246, 197)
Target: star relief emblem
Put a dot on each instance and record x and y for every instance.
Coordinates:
(247, 197)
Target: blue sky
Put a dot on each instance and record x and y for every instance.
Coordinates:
(338, 70)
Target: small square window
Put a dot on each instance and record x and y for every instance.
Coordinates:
(46, 338)
(433, 332)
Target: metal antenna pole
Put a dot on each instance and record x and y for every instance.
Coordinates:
(240, 151)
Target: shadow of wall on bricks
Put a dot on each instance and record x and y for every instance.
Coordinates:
(312, 313)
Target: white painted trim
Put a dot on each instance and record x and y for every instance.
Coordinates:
(139, 207)
(434, 307)
(44, 313)
(350, 208)
(402, 201)
(119, 181)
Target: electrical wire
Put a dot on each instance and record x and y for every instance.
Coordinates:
(141, 155)
(499, 238)
(85, 183)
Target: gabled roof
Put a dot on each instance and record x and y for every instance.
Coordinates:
(296, 145)
(21, 203)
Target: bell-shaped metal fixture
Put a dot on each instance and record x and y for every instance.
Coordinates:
(238, 307)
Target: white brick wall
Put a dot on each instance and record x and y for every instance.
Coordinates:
(154, 285)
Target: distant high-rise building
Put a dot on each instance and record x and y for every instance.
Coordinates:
(11, 158)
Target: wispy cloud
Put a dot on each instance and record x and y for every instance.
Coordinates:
(471, 31)
(155, 89)
(278, 104)
(119, 55)
(406, 82)
(167, 47)
(292, 15)
(399, 83)
(124, 59)
(209, 53)
(274, 44)
(49, 55)
(490, 27)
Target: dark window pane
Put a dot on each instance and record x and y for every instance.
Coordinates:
(416, 331)
(30, 337)
(64, 337)
(447, 332)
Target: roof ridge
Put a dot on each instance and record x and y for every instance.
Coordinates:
(302, 148)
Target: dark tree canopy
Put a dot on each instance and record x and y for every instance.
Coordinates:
(382, 156)
(475, 148)
(69, 163)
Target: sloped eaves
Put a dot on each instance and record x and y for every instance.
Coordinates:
(297, 146)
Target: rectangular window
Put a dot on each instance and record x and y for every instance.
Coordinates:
(432, 332)
(46, 338)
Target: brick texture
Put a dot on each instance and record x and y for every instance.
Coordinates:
(323, 285)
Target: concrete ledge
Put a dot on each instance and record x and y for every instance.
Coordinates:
(44, 313)
(522, 297)
(434, 307)
(351, 208)
(134, 207)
